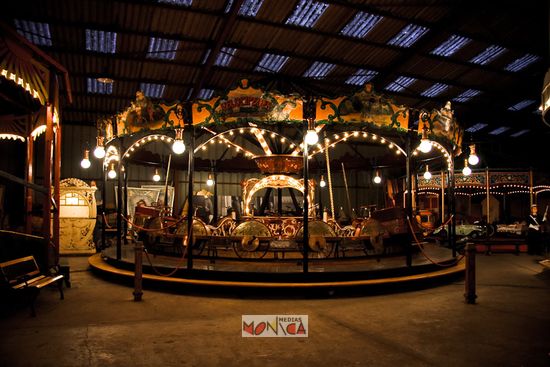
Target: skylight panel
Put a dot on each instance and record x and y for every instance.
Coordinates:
(476, 127)
(435, 90)
(225, 56)
(408, 36)
(205, 57)
(93, 86)
(306, 13)
(249, 8)
(451, 46)
(205, 93)
(100, 41)
(400, 84)
(319, 70)
(361, 24)
(177, 2)
(467, 95)
(521, 105)
(499, 130)
(271, 63)
(520, 133)
(522, 62)
(153, 90)
(35, 32)
(162, 48)
(488, 55)
(361, 77)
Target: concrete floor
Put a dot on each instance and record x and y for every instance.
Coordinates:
(98, 324)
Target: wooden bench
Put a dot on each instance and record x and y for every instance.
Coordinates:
(23, 274)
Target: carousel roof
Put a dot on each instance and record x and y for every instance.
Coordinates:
(488, 60)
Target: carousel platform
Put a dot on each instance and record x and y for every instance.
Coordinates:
(434, 263)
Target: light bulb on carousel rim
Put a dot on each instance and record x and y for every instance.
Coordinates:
(99, 151)
(425, 143)
(322, 182)
(311, 137)
(427, 174)
(473, 159)
(178, 146)
(85, 162)
(377, 179)
(209, 181)
(466, 171)
(156, 176)
(112, 172)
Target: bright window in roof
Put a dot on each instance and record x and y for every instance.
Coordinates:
(522, 62)
(408, 36)
(319, 70)
(225, 56)
(400, 84)
(205, 57)
(205, 93)
(306, 13)
(488, 55)
(162, 48)
(37, 33)
(521, 105)
(271, 63)
(361, 24)
(520, 133)
(435, 90)
(451, 46)
(467, 95)
(249, 8)
(93, 86)
(476, 127)
(100, 41)
(177, 2)
(361, 77)
(499, 130)
(152, 90)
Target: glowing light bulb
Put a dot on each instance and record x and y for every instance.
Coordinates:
(178, 147)
(322, 182)
(99, 152)
(85, 162)
(377, 179)
(425, 146)
(156, 176)
(209, 181)
(427, 174)
(473, 159)
(466, 171)
(311, 137)
(112, 173)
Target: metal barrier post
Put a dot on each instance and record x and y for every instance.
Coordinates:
(470, 278)
(138, 272)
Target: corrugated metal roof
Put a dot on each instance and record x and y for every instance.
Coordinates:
(198, 28)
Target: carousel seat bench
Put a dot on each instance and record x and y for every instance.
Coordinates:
(23, 275)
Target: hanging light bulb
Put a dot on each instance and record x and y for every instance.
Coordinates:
(322, 182)
(427, 174)
(156, 176)
(466, 171)
(473, 159)
(178, 146)
(311, 136)
(209, 181)
(99, 151)
(425, 143)
(112, 173)
(377, 179)
(85, 162)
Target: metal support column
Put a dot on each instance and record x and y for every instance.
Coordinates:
(408, 196)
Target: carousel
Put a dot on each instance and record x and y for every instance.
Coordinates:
(312, 190)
